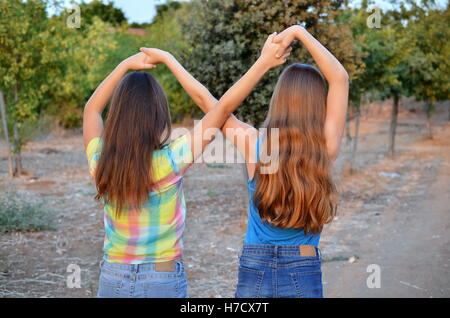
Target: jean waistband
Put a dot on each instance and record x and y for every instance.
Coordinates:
(274, 250)
(136, 268)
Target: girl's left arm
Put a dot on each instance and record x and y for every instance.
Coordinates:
(206, 101)
(202, 97)
(92, 115)
(218, 112)
(199, 93)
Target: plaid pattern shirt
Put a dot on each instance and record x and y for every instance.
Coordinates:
(154, 231)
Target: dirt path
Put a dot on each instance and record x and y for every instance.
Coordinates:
(408, 236)
(394, 213)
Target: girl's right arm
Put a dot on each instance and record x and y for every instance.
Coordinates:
(92, 115)
(221, 110)
(234, 96)
(336, 77)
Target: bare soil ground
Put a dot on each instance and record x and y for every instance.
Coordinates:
(393, 212)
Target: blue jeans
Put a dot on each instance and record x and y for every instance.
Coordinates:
(141, 281)
(278, 271)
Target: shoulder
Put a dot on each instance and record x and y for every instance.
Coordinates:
(176, 156)
(179, 149)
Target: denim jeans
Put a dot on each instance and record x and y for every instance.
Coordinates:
(141, 281)
(278, 271)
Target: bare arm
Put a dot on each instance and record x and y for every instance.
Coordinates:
(217, 111)
(337, 78)
(199, 93)
(220, 112)
(92, 115)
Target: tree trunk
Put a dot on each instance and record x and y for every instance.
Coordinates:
(5, 129)
(348, 136)
(429, 107)
(393, 127)
(17, 142)
(18, 151)
(429, 126)
(355, 142)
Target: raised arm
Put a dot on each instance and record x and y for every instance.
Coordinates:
(199, 93)
(92, 115)
(234, 96)
(220, 112)
(201, 96)
(337, 79)
(206, 101)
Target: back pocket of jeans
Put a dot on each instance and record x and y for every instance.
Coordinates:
(162, 288)
(109, 286)
(308, 284)
(249, 283)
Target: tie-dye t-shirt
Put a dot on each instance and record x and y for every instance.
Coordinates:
(153, 232)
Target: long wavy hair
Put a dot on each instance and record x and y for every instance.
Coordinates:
(300, 194)
(138, 123)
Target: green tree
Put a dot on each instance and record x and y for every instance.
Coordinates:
(166, 33)
(429, 67)
(45, 65)
(22, 64)
(386, 63)
(106, 12)
(78, 66)
(410, 64)
(382, 74)
(225, 37)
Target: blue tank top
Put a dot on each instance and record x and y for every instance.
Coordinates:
(261, 232)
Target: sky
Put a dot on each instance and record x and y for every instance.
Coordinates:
(139, 11)
(142, 11)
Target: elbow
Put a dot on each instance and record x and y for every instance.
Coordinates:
(333, 155)
(333, 150)
(343, 76)
(340, 78)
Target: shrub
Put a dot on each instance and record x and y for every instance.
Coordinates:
(18, 214)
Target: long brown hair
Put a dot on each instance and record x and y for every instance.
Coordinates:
(138, 123)
(301, 193)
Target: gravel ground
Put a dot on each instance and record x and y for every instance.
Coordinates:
(376, 213)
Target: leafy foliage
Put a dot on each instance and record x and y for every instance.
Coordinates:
(18, 214)
(79, 66)
(105, 12)
(428, 37)
(47, 65)
(225, 37)
(166, 33)
(22, 64)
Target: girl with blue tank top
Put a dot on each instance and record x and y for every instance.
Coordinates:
(291, 191)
